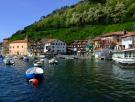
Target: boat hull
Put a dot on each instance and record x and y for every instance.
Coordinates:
(34, 76)
(34, 73)
(125, 63)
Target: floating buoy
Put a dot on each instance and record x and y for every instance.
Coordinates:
(35, 82)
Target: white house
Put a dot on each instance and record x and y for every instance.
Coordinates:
(55, 46)
(128, 41)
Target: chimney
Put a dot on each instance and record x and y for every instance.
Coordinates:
(125, 32)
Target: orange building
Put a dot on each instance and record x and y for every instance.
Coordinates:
(18, 47)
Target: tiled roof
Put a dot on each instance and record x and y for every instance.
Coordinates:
(19, 41)
(112, 34)
(48, 40)
(129, 34)
(97, 38)
(51, 40)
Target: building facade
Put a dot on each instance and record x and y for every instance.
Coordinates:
(1, 48)
(108, 40)
(6, 46)
(36, 48)
(78, 47)
(18, 47)
(54, 46)
(128, 41)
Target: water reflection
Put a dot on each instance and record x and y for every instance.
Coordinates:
(123, 74)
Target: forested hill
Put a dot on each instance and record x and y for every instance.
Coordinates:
(86, 19)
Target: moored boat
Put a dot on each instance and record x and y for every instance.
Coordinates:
(9, 61)
(38, 64)
(53, 61)
(34, 72)
(125, 58)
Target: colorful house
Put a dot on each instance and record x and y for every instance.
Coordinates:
(18, 47)
(107, 42)
(36, 48)
(79, 47)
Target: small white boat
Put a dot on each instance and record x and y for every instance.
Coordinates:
(9, 61)
(15, 57)
(42, 59)
(53, 61)
(38, 64)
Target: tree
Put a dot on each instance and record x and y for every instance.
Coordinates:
(97, 1)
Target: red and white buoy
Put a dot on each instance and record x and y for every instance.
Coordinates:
(35, 82)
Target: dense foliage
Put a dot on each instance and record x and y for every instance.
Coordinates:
(79, 21)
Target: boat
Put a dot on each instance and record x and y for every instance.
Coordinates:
(15, 57)
(124, 58)
(9, 61)
(34, 73)
(53, 61)
(38, 64)
(25, 58)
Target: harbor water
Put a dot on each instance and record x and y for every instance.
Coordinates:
(69, 81)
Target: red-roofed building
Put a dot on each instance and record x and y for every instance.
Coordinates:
(78, 47)
(108, 40)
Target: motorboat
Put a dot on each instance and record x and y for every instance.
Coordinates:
(53, 61)
(9, 61)
(125, 58)
(15, 57)
(38, 64)
(34, 73)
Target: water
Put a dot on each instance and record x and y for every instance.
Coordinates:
(70, 81)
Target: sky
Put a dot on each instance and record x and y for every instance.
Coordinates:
(16, 14)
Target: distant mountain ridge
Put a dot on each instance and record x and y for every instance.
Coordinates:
(84, 20)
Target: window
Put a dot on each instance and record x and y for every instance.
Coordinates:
(17, 46)
(129, 54)
(126, 54)
(22, 46)
(13, 46)
(134, 54)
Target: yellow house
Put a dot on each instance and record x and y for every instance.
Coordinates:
(18, 47)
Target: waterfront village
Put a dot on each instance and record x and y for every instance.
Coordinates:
(118, 46)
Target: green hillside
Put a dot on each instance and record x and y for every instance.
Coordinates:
(84, 20)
